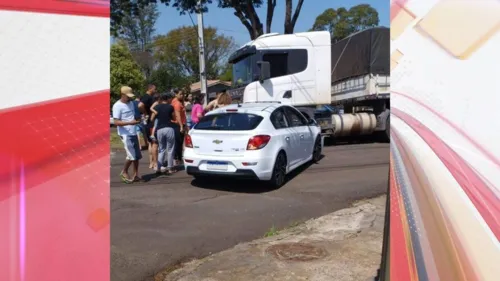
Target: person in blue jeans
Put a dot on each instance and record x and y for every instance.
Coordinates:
(163, 113)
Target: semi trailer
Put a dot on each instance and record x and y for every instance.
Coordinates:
(343, 86)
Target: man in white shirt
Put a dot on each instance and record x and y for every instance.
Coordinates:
(126, 118)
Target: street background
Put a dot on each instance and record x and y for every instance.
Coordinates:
(169, 220)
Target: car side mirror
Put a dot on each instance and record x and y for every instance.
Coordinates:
(265, 70)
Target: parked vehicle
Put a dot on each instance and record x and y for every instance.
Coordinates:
(263, 141)
(305, 70)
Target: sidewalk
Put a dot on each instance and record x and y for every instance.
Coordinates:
(343, 246)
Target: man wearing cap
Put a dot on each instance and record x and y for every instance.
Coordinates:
(126, 119)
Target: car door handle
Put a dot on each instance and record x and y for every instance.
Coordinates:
(301, 136)
(287, 138)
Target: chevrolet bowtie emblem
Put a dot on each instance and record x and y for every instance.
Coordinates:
(217, 141)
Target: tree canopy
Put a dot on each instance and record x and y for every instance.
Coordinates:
(124, 71)
(244, 10)
(165, 79)
(179, 51)
(138, 32)
(342, 22)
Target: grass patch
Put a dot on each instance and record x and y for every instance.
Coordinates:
(271, 232)
(275, 231)
(114, 140)
(295, 223)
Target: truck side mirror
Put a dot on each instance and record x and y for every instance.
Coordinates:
(265, 70)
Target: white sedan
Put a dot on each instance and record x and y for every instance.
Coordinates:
(263, 141)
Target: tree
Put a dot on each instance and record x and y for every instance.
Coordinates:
(342, 22)
(165, 79)
(124, 71)
(137, 31)
(244, 10)
(179, 51)
(227, 73)
(289, 20)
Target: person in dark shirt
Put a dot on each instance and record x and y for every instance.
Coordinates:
(145, 104)
(164, 113)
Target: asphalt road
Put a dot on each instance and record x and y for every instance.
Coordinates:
(167, 220)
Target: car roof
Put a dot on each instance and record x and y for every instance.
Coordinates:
(254, 107)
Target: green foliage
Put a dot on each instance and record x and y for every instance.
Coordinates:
(271, 232)
(138, 30)
(166, 79)
(244, 10)
(178, 50)
(341, 22)
(124, 71)
(227, 74)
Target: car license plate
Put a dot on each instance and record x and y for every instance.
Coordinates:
(217, 165)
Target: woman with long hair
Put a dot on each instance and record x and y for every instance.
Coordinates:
(224, 99)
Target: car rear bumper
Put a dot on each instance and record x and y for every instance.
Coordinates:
(261, 165)
(240, 173)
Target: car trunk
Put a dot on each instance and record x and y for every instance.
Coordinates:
(220, 143)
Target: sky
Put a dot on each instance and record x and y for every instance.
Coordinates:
(229, 25)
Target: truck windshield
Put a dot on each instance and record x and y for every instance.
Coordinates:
(242, 71)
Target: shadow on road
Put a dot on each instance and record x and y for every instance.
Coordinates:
(246, 186)
(151, 176)
(376, 138)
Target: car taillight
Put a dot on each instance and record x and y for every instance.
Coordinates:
(188, 142)
(258, 142)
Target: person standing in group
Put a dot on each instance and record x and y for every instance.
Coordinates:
(196, 110)
(164, 113)
(188, 105)
(223, 99)
(152, 136)
(213, 104)
(125, 118)
(180, 121)
(145, 104)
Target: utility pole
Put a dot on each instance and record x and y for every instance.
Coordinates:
(203, 77)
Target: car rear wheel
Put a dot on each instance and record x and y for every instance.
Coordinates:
(317, 150)
(279, 171)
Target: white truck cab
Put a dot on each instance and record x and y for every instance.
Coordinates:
(293, 69)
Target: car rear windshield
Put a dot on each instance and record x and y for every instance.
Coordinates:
(229, 122)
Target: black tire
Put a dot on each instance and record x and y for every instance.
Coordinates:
(278, 178)
(317, 150)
